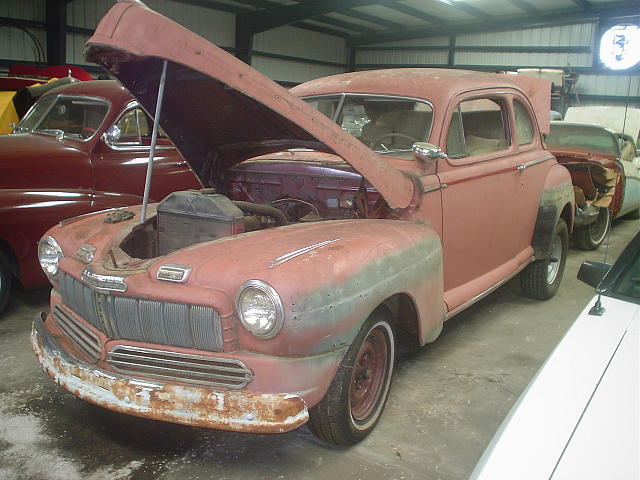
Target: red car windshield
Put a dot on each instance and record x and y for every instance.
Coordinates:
(65, 116)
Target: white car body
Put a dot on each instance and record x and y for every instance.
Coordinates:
(616, 118)
(579, 416)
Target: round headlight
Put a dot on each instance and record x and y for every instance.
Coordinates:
(49, 254)
(260, 309)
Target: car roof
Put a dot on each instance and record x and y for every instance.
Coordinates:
(438, 85)
(107, 89)
(410, 82)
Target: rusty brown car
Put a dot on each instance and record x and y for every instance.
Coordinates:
(335, 214)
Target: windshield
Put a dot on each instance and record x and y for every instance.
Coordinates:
(67, 117)
(628, 285)
(590, 138)
(384, 124)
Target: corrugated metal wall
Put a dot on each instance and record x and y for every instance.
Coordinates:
(216, 26)
(286, 54)
(568, 46)
(303, 44)
(15, 42)
(290, 54)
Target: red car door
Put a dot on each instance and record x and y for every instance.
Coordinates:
(481, 201)
(120, 163)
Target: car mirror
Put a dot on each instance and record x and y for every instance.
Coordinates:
(113, 134)
(427, 152)
(592, 272)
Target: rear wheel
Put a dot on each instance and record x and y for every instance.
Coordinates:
(357, 395)
(5, 282)
(591, 236)
(541, 279)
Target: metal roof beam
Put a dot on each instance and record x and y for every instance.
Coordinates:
(310, 9)
(321, 29)
(224, 7)
(583, 4)
(412, 12)
(526, 6)
(466, 8)
(356, 27)
(373, 19)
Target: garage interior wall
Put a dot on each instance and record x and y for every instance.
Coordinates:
(571, 47)
(293, 55)
(288, 55)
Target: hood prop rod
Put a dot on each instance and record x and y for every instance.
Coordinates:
(154, 139)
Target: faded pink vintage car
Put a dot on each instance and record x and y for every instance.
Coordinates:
(349, 208)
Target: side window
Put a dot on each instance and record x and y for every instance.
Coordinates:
(133, 128)
(477, 127)
(524, 126)
(455, 137)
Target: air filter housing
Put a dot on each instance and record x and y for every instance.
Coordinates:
(189, 217)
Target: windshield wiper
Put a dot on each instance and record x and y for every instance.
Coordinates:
(394, 150)
(57, 132)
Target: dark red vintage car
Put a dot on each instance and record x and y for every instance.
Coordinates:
(338, 213)
(83, 147)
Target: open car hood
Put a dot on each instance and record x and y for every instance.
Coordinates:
(217, 110)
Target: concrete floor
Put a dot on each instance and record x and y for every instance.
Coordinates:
(447, 400)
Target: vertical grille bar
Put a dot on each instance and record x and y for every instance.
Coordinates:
(205, 328)
(125, 316)
(176, 324)
(80, 299)
(150, 322)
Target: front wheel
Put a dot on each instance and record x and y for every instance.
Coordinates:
(356, 397)
(591, 236)
(541, 279)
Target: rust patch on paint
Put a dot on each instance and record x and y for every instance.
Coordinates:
(184, 404)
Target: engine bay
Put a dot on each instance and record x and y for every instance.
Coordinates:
(254, 195)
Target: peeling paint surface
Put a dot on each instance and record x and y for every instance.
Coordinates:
(188, 405)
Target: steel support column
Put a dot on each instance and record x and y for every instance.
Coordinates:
(56, 25)
(244, 37)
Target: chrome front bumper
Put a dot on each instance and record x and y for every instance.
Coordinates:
(184, 404)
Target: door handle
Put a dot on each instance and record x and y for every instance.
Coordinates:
(522, 167)
(180, 164)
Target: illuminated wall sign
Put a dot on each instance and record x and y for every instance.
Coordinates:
(620, 47)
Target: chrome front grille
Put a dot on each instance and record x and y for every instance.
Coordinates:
(197, 369)
(80, 299)
(84, 338)
(142, 320)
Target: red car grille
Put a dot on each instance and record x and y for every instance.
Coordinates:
(144, 320)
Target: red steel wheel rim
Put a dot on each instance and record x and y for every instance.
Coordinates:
(369, 374)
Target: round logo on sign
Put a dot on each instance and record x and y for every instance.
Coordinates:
(620, 47)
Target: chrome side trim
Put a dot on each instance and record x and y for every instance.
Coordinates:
(492, 289)
(68, 221)
(296, 253)
(526, 165)
(183, 367)
(433, 188)
(103, 283)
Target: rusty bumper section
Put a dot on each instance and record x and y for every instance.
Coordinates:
(188, 405)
